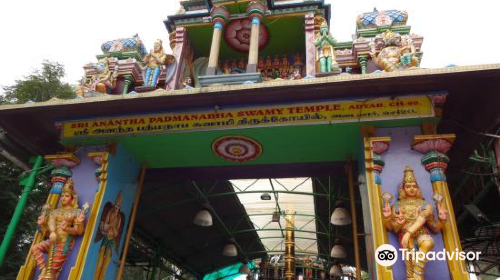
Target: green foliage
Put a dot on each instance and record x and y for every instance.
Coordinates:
(41, 85)
(10, 191)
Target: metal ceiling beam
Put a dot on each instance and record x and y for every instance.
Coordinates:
(477, 199)
(277, 205)
(296, 253)
(296, 230)
(213, 212)
(174, 259)
(302, 238)
(281, 214)
(172, 205)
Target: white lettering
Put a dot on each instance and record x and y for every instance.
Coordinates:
(441, 255)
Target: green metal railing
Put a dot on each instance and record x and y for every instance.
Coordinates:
(28, 183)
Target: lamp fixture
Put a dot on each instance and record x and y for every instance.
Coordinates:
(338, 251)
(340, 216)
(244, 268)
(265, 196)
(275, 218)
(230, 249)
(335, 270)
(203, 218)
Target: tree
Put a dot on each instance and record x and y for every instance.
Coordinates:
(10, 191)
(41, 85)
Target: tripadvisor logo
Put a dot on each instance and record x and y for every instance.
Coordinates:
(387, 255)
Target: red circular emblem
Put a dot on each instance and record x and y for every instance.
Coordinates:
(237, 35)
(237, 148)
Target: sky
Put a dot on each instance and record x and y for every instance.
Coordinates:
(456, 32)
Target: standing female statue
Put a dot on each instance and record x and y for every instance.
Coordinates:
(62, 225)
(153, 64)
(410, 218)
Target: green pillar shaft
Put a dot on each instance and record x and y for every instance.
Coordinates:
(128, 82)
(28, 186)
(363, 63)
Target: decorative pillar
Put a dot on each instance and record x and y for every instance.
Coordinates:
(63, 163)
(290, 246)
(178, 40)
(101, 159)
(374, 148)
(128, 82)
(434, 148)
(220, 16)
(255, 11)
(310, 48)
(363, 62)
(354, 220)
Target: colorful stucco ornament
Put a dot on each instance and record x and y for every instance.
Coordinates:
(395, 52)
(61, 226)
(410, 218)
(325, 53)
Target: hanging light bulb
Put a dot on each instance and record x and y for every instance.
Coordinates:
(265, 196)
(230, 249)
(340, 216)
(203, 218)
(244, 268)
(335, 270)
(338, 251)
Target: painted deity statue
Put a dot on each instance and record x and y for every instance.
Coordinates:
(284, 66)
(261, 65)
(325, 52)
(153, 64)
(398, 53)
(412, 217)
(62, 225)
(103, 79)
(110, 231)
(276, 67)
(407, 58)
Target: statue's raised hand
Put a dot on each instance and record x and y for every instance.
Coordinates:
(400, 218)
(386, 211)
(81, 217)
(442, 212)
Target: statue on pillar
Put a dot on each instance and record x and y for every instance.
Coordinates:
(411, 217)
(325, 50)
(62, 225)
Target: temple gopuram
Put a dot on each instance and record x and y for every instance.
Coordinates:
(247, 142)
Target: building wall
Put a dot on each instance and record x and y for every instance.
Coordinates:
(396, 159)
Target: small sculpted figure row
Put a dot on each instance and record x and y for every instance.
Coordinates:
(277, 68)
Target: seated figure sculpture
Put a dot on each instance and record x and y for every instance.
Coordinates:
(62, 225)
(397, 53)
(99, 78)
(410, 217)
